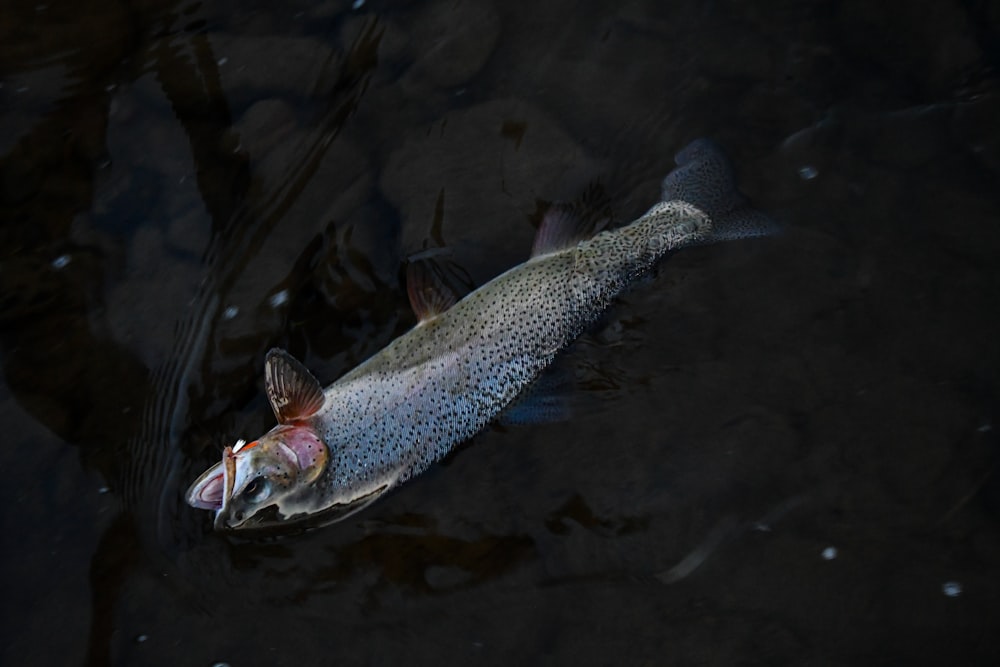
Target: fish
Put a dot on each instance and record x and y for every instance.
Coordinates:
(335, 450)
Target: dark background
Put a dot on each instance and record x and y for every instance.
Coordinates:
(186, 185)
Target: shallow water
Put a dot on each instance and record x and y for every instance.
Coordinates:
(782, 451)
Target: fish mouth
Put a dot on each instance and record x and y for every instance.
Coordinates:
(213, 490)
(206, 492)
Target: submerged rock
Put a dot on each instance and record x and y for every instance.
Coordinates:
(264, 126)
(451, 41)
(475, 177)
(241, 69)
(926, 49)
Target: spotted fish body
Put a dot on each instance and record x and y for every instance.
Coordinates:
(443, 381)
(447, 378)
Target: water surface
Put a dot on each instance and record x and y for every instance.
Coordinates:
(782, 451)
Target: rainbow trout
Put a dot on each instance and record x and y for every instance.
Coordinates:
(335, 450)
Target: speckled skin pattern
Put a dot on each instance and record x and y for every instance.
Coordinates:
(444, 380)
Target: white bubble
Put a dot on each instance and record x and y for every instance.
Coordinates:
(807, 173)
(142, 638)
(61, 262)
(951, 588)
(220, 664)
(222, 61)
(230, 312)
(358, 4)
(829, 553)
(279, 298)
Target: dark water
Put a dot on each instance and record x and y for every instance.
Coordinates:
(783, 452)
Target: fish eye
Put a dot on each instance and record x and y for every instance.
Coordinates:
(256, 490)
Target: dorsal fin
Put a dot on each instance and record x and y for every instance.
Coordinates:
(566, 224)
(292, 390)
(429, 294)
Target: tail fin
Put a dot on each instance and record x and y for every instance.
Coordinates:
(704, 178)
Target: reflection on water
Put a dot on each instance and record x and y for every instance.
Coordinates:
(185, 185)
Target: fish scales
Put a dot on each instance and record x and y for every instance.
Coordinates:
(444, 380)
(337, 449)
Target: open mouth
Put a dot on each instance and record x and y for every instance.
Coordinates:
(214, 488)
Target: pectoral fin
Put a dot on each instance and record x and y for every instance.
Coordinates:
(292, 390)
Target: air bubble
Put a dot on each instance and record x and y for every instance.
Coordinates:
(807, 173)
(951, 588)
(230, 312)
(278, 299)
(829, 553)
(61, 262)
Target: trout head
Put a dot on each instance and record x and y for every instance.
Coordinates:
(260, 484)
(272, 479)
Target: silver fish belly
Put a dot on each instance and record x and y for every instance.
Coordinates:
(447, 378)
